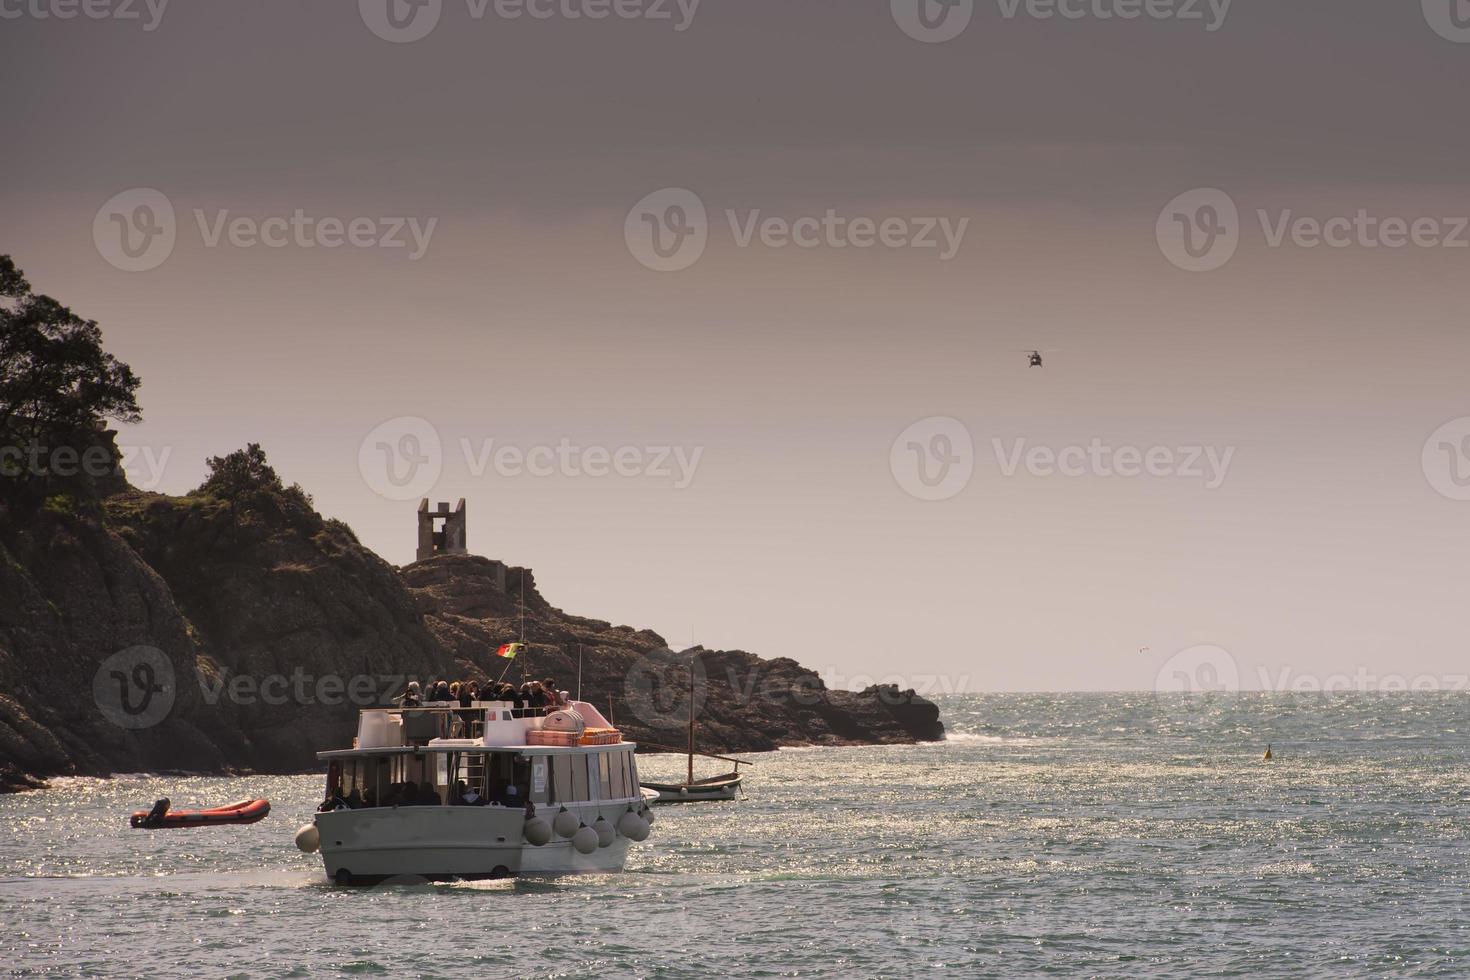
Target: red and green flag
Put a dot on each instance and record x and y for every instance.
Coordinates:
(509, 650)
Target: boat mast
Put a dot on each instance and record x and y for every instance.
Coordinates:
(691, 718)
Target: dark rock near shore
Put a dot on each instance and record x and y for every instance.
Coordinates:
(155, 633)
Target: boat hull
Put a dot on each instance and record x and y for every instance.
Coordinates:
(374, 845)
(693, 792)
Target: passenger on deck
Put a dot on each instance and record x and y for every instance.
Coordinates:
(428, 796)
(402, 794)
(441, 691)
(410, 697)
(354, 799)
(511, 795)
(466, 796)
(535, 697)
(469, 693)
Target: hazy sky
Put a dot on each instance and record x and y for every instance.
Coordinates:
(1325, 538)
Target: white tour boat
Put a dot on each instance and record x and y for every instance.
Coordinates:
(442, 791)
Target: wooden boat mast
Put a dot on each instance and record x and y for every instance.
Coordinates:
(691, 718)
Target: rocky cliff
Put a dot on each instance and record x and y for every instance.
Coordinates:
(146, 632)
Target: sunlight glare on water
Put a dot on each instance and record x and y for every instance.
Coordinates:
(1054, 834)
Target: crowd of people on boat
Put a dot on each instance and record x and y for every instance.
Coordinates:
(531, 697)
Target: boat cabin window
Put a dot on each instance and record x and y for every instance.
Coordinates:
(569, 777)
(618, 767)
(501, 778)
(561, 779)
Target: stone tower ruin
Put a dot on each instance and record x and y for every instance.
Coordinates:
(447, 540)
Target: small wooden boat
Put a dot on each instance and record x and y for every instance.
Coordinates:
(241, 811)
(714, 788)
(691, 790)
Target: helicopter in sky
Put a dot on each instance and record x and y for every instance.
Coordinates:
(1033, 357)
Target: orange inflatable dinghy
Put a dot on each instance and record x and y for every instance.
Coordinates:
(241, 811)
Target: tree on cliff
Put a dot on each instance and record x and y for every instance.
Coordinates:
(244, 476)
(57, 384)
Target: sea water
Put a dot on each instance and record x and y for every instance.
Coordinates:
(1056, 834)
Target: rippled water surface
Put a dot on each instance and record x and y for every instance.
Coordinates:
(1106, 835)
